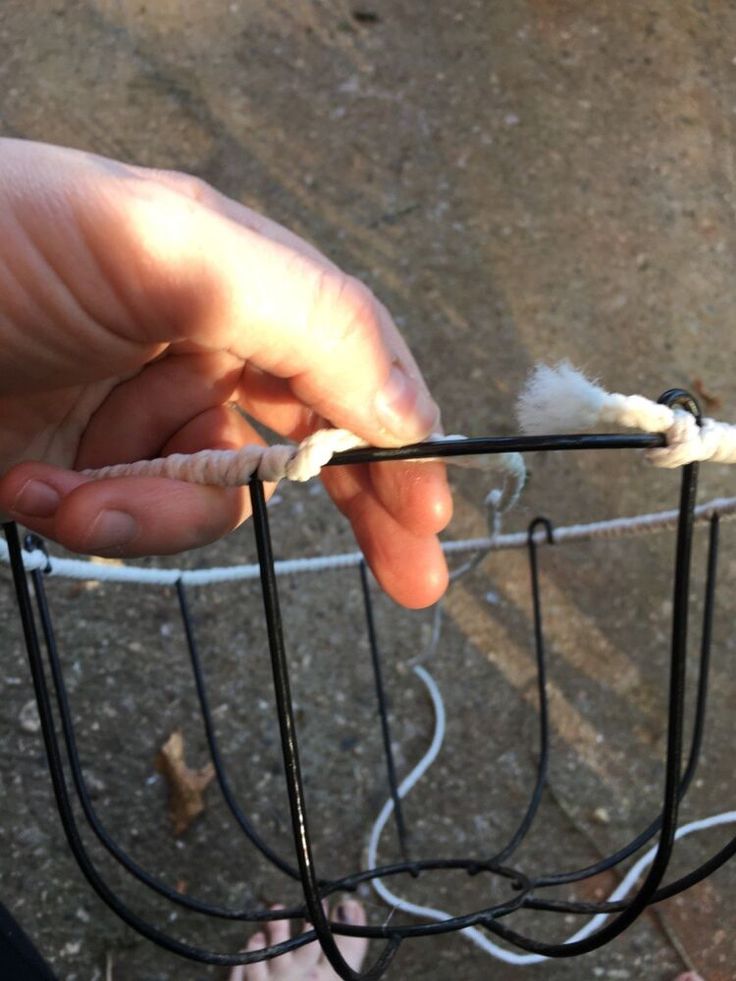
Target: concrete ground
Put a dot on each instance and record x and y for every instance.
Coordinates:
(523, 181)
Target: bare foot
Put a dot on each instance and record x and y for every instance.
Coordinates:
(308, 963)
(689, 976)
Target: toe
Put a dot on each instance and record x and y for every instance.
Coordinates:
(251, 972)
(278, 930)
(308, 956)
(353, 949)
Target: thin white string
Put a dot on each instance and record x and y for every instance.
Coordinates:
(473, 934)
(613, 528)
(561, 399)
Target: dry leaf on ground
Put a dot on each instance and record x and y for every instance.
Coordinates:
(711, 401)
(186, 786)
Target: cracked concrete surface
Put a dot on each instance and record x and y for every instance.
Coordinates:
(523, 181)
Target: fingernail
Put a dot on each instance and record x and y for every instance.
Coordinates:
(111, 529)
(36, 500)
(404, 409)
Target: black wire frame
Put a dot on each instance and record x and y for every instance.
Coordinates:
(524, 891)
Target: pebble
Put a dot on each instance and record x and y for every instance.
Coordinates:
(28, 719)
(32, 837)
(95, 785)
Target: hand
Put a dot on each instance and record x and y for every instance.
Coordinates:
(135, 307)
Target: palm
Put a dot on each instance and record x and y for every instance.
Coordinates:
(47, 426)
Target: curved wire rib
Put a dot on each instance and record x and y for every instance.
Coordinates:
(192, 903)
(227, 792)
(565, 878)
(63, 801)
(290, 750)
(648, 888)
(95, 823)
(467, 924)
(383, 712)
(530, 901)
(90, 813)
(543, 761)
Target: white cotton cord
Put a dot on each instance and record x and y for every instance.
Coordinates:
(476, 936)
(85, 569)
(233, 468)
(712, 442)
(561, 399)
(302, 462)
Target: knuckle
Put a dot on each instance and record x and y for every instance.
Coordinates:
(349, 307)
(170, 196)
(195, 188)
(188, 185)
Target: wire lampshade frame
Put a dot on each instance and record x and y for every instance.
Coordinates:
(523, 891)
